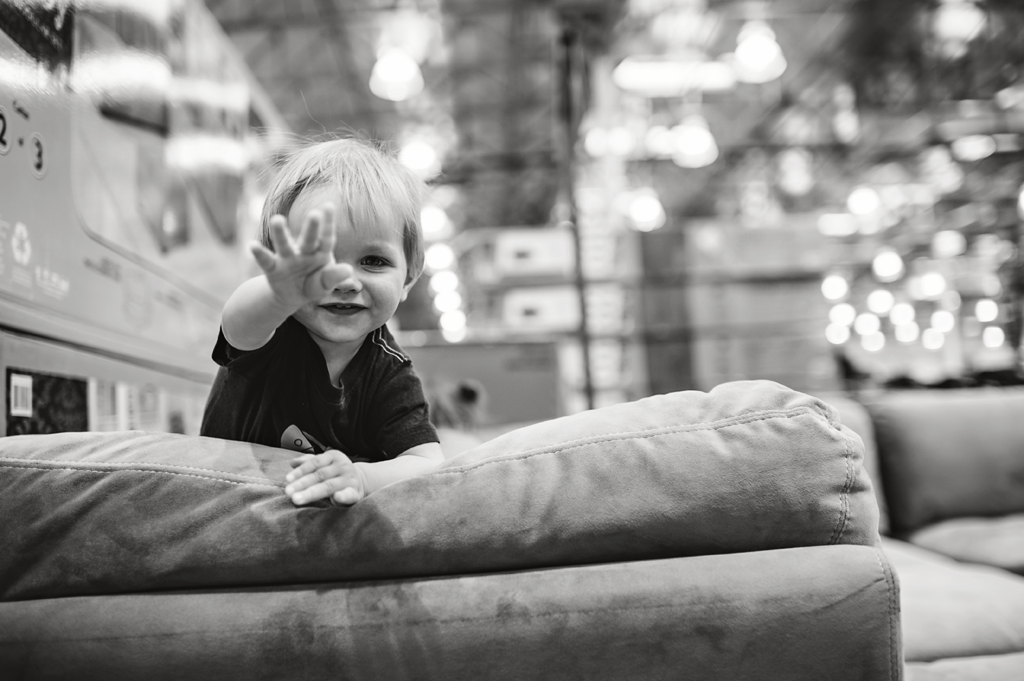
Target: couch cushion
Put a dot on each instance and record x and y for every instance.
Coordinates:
(950, 453)
(991, 541)
(955, 610)
(981, 668)
(750, 465)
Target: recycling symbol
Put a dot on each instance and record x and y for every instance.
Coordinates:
(21, 247)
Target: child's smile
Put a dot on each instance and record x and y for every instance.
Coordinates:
(344, 309)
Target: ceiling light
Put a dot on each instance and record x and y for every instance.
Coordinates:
(842, 314)
(957, 22)
(948, 243)
(395, 76)
(620, 141)
(993, 337)
(453, 320)
(837, 334)
(658, 141)
(758, 57)
(973, 147)
(444, 281)
(880, 301)
(421, 157)
(660, 76)
(887, 266)
(943, 320)
(596, 142)
(834, 287)
(645, 211)
(837, 224)
(435, 222)
(694, 145)
(932, 339)
(907, 333)
(867, 323)
(932, 284)
(863, 201)
(873, 342)
(439, 256)
(902, 314)
(986, 310)
(446, 301)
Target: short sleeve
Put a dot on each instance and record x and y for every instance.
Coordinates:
(227, 355)
(400, 414)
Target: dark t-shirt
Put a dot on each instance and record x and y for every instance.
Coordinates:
(378, 413)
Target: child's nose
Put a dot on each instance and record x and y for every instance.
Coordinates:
(350, 283)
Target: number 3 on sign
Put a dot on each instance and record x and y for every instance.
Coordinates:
(5, 138)
(36, 157)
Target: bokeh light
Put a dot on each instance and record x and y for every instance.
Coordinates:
(835, 287)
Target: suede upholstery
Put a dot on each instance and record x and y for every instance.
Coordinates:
(963, 619)
(749, 466)
(826, 612)
(989, 541)
(722, 535)
(950, 454)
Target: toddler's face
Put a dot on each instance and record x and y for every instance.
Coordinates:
(368, 299)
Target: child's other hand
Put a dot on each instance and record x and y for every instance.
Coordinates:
(321, 476)
(302, 269)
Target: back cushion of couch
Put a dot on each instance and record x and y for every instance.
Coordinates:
(748, 466)
(950, 453)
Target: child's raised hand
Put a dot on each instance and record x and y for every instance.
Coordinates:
(321, 476)
(300, 270)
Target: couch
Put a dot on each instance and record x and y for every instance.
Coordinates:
(948, 469)
(731, 534)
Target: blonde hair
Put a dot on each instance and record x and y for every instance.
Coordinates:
(371, 184)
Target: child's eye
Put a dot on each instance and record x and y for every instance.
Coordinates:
(375, 261)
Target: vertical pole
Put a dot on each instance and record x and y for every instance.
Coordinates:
(569, 43)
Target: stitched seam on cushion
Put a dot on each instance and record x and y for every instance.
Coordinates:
(844, 494)
(115, 465)
(638, 434)
(15, 464)
(895, 657)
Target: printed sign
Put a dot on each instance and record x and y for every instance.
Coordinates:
(44, 403)
(21, 396)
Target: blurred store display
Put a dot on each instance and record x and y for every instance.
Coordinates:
(789, 181)
(668, 193)
(132, 137)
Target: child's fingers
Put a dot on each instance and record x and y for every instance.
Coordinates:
(337, 489)
(280, 238)
(322, 489)
(309, 237)
(311, 480)
(347, 496)
(307, 465)
(322, 475)
(298, 461)
(332, 275)
(327, 232)
(264, 258)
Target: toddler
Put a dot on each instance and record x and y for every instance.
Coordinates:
(306, 361)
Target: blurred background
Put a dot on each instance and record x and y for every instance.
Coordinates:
(628, 197)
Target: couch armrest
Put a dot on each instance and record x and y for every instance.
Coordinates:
(801, 614)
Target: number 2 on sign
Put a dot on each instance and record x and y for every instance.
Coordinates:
(5, 144)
